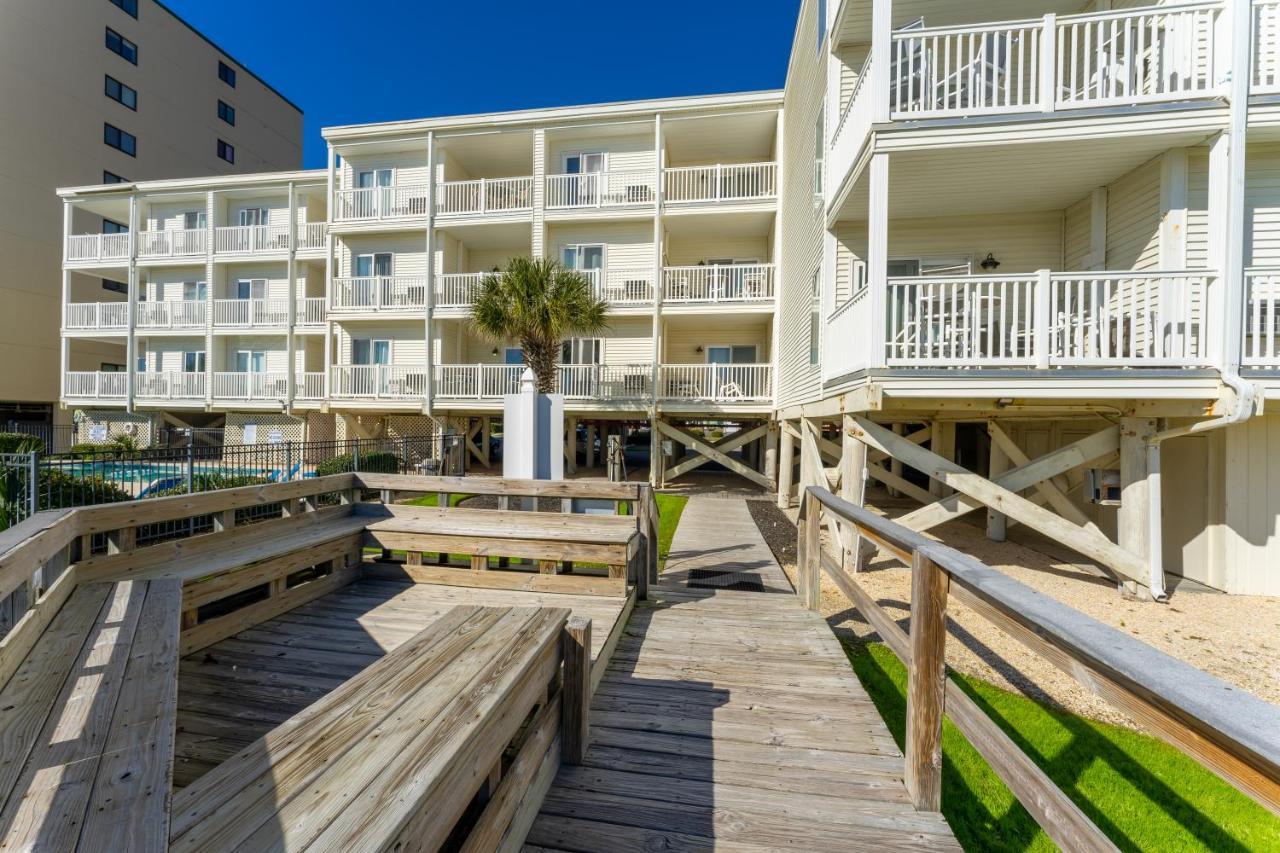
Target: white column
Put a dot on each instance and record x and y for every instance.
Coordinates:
(1097, 230)
(1133, 528)
(1173, 209)
(1232, 269)
(656, 461)
(65, 350)
(877, 257)
(881, 52)
(429, 359)
(290, 347)
(786, 463)
(210, 210)
(328, 276)
(131, 342)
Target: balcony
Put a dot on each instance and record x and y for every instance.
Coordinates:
(484, 196)
(619, 286)
(715, 284)
(169, 385)
(1043, 320)
(1266, 46)
(98, 316)
(732, 182)
(251, 313)
(457, 290)
(310, 311)
(175, 243)
(635, 188)
(172, 314)
(706, 383)
(309, 386)
(94, 385)
(96, 248)
(378, 381)
(1261, 325)
(380, 203)
(380, 293)
(267, 239)
(261, 386)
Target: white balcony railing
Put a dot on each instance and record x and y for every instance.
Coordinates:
(98, 315)
(716, 383)
(576, 381)
(250, 239)
(272, 385)
(716, 283)
(485, 195)
(172, 314)
(1266, 45)
(169, 385)
(1048, 320)
(457, 290)
(97, 247)
(601, 189)
(311, 235)
(309, 386)
(94, 384)
(721, 182)
(251, 312)
(1261, 323)
(384, 292)
(382, 381)
(310, 311)
(1155, 53)
(178, 242)
(400, 202)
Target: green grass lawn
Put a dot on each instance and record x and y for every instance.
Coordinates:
(1142, 793)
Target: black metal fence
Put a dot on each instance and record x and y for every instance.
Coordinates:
(35, 481)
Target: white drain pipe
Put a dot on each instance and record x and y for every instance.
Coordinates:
(1247, 403)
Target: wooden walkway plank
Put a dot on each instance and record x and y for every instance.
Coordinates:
(730, 719)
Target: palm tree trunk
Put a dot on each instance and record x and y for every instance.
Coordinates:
(541, 357)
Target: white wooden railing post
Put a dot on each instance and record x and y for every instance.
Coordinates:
(1048, 62)
(1040, 329)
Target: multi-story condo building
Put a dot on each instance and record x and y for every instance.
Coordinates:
(102, 91)
(1021, 252)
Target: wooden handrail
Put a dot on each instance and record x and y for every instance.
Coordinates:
(1229, 731)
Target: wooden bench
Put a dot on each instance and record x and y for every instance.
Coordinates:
(87, 723)
(550, 538)
(395, 756)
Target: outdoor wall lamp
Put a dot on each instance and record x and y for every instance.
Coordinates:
(989, 262)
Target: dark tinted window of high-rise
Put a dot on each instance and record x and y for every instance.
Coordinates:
(129, 6)
(113, 178)
(226, 112)
(119, 139)
(227, 74)
(118, 91)
(117, 43)
(226, 151)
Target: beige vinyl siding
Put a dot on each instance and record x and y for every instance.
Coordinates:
(684, 252)
(803, 223)
(851, 59)
(681, 340)
(628, 340)
(484, 260)
(445, 338)
(1198, 208)
(171, 216)
(276, 275)
(166, 355)
(627, 245)
(164, 285)
(1251, 494)
(1262, 206)
(409, 253)
(1133, 219)
(408, 341)
(409, 167)
(622, 154)
(1077, 235)
(277, 357)
(277, 207)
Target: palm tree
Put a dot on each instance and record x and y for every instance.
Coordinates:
(538, 303)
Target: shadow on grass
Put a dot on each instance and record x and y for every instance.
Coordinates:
(1143, 794)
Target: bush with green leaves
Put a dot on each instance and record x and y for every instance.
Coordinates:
(60, 490)
(117, 446)
(211, 482)
(374, 462)
(20, 442)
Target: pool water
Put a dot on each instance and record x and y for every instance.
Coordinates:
(142, 473)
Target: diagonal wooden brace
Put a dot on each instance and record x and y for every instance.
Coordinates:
(724, 445)
(714, 455)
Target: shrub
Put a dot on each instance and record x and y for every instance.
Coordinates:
(20, 442)
(376, 462)
(96, 448)
(59, 490)
(212, 482)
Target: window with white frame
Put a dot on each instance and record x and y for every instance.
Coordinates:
(194, 219)
(581, 351)
(253, 216)
(194, 291)
(815, 306)
(193, 362)
(370, 351)
(251, 361)
(251, 288)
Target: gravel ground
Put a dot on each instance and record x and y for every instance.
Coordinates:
(1235, 637)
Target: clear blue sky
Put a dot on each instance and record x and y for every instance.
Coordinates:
(380, 60)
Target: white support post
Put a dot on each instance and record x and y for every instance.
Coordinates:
(290, 343)
(657, 463)
(64, 361)
(786, 466)
(131, 341)
(1048, 63)
(1040, 331)
(881, 57)
(878, 258)
(1098, 229)
(328, 278)
(429, 296)
(1133, 524)
(1173, 209)
(210, 220)
(997, 464)
(1232, 269)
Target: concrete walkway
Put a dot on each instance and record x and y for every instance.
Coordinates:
(730, 718)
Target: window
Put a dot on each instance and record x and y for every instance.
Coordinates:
(117, 43)
(367, 266)
(251, 288)
(226, 74)
(142, 363)
(110, 226)
(226, 152)
(580, 351)
(120, 140)
(226, 112)
(115, 286)
(194, 291)
(367, 179)
(112, 178)
(194, 219)
(118, 91)
(130, 7)
(735, 354)
(370, 351)
(818, 155)
(815, 304)
(513, 355)
(253, 216)
(251, 361)
(193, 362)
(584, 257)
(110, 367)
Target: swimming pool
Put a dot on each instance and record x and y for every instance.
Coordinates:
(142, 473)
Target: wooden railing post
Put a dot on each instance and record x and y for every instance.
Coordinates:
(811, 554)
(575, 703)
(926, 683)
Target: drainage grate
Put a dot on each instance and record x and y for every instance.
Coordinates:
(724, 579)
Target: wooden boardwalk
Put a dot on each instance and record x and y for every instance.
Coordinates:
(240, 688)
(730, 718)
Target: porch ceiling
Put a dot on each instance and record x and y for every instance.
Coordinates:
(491, 154)
(755, 223)
(515, 236)
(746, 137)
(855, 25)
(1011, 178)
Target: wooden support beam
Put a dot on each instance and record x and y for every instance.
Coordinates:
(473, 430)
(707, 450)
(786, 466)
(981, 492)
(901, 484)
(571, 445)
(926, 683)
(575, 708)
(486, 438)
(813, 474)
(942, 442)
(1132, 518)
(997, 464)
(1052, 493)
(724, 445)
(853, 484)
